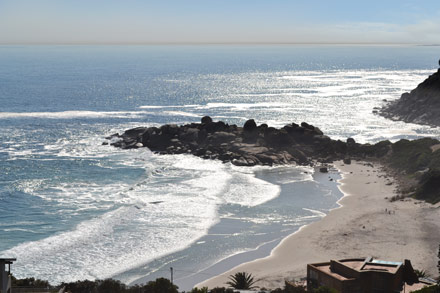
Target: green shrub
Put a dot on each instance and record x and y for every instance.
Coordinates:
(160, 285)
(241, 280)
(201, 290)
(221, 290)
(429, 186)
(30, 282)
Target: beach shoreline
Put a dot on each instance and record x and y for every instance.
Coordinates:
(243, 234)
(367, 223)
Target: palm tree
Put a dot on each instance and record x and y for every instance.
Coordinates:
(241, 280)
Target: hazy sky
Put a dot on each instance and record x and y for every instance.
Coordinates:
(218, 21)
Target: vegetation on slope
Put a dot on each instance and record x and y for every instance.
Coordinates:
(418, 160)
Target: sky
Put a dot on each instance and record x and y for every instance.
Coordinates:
(219, 21)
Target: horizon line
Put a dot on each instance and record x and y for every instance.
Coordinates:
(209, 43)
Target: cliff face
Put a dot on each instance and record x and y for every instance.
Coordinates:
(421, 105)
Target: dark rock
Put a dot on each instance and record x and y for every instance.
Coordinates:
(202, 135)
(190, 135)
(242, 161)
(221, 137)
(214, 126)
(114, 135)
(135, 132)
(307, 126)
(226, 156)
(318, 131)
(169, 129)
(159, 141)
(249, 125)
(421, 105)
(298, 156)
(347, 161)
(278, 138)
(266, 159)
(147, 134)
(351, 141)
(206, 119)
(263, 126)
(253, 150)
(323, 169)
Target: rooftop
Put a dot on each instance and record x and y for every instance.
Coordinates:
(7, 260)
(360, 265)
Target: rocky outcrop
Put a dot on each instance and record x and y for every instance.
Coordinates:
(417, 161)
(245, 146)
(421, 105)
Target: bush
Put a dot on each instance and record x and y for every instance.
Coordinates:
(242, 281)
(110, 286)
(201, 290)
(85, 286)
(221, 290)
(160, 285)
(30, 282)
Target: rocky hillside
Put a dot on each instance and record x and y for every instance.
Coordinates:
(415, 162)
(421, 105)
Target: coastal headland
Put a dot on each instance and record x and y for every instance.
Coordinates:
(421, 105)
(416, 164)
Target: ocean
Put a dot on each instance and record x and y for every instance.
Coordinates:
(72, 208)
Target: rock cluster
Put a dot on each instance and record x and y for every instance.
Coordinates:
(304, 144)
(249, 145)
(421, 105)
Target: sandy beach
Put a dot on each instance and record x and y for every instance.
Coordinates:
(366, 224)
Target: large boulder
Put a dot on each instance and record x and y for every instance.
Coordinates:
(221, 137)
(250, 125)
(158, 140)
(211, 127)
(148, 133)
(298, 156)
(135, 132)
(250, 131)
(206, 119)
(189, 134)
(277, 138)
(169, 129)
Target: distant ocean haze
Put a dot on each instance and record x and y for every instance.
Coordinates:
(94, 211)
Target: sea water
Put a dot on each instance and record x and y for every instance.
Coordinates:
(72, 208)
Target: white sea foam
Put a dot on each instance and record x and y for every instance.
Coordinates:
(181, 113)
(73, 114)
(243, 106)
(161, 213)
(315, 212)
(165, 107)
(250, 191)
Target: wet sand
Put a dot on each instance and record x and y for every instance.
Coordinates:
(366, 224)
